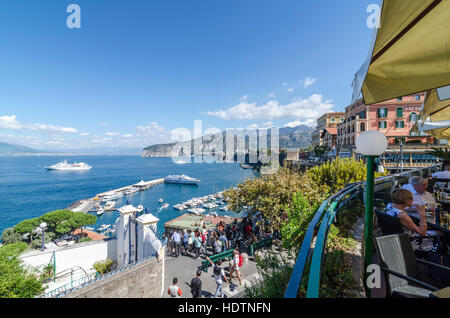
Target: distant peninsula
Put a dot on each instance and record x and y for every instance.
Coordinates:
(289, 137)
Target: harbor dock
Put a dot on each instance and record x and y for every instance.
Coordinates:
(86, 205)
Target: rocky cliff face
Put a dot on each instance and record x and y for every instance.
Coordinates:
(296, 137)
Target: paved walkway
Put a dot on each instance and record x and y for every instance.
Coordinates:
(185, 267)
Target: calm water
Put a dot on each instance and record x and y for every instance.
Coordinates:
(28, 190)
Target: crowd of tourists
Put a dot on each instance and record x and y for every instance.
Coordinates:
(221, 238)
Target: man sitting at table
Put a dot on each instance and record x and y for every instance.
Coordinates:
(442, 174)
(418, 186)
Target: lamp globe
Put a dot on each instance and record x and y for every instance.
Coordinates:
(371, 143)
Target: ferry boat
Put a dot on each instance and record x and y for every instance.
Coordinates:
(181, 179)
(69, 166)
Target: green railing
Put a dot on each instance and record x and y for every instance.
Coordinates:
(312, 259)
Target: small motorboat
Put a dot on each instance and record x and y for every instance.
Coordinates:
(109, 205)
(100, 211)
(140, 208)
(160, 200)
(165, 205)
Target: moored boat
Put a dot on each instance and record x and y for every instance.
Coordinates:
(181, 179)
(69, 166)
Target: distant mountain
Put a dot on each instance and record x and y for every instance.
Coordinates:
(11, 149)
(103, 151)
(289, 137)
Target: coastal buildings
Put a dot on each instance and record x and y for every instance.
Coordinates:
(394, 118)
(328, 120)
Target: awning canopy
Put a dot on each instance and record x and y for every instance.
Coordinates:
(438, 129)
(410, 52)
(436, 105)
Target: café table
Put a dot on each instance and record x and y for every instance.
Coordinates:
(431, 222)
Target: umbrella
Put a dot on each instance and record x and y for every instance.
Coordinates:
(436, 105)
(438, 129)
(409, 52)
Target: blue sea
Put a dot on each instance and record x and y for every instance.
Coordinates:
(28, 190)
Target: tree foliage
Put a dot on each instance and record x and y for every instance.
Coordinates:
(338, 173)
(16, 281)
(272, 195)
(9, 236)
(299, 217)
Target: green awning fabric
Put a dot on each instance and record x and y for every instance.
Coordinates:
(410, 52)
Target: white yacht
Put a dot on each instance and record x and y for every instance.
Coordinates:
(165, 205)
(112, 196)
(181, 179)
(69, 166)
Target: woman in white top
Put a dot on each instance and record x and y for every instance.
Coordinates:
(234, 267)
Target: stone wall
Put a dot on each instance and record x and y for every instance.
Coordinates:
(143, 280)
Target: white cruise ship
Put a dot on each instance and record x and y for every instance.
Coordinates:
(69, 166)
(181, 179)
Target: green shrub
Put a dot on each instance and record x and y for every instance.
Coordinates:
(102, 267)
(17, 281)
(275, 271)
(9, 236)
(85, 239)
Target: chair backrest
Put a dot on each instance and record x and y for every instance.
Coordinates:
(397, 254)
(388, 224)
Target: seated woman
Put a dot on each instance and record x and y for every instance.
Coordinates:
(402, 198)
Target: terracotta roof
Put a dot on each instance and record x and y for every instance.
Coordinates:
(331, 131)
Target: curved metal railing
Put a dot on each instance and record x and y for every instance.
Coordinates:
(325, 215)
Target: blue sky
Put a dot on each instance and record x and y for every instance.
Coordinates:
(135, 70)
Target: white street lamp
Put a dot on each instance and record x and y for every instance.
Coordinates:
(43, 225)
(370, 144)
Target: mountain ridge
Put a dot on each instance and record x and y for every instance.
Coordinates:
(289, 137)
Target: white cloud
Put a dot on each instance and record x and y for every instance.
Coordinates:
(299, 109)
(309, 123)
(10, 122)
(103, 124)
(290, 89)
(127, 136)
(151, 128)
(285, 84)
(243, 98)
(112, 134)
(84, 134)
(308, 81)
(271, 95)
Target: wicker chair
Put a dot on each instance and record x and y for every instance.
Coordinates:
(400, 267)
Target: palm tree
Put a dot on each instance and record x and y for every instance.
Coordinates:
(442, 153)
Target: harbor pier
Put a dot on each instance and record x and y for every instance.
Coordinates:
(86, 205)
